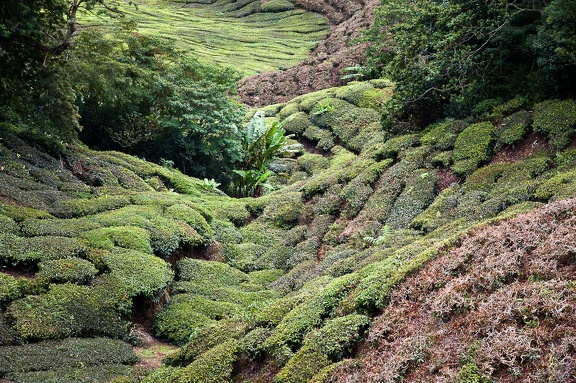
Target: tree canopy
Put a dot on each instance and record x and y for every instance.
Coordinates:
(448, 56)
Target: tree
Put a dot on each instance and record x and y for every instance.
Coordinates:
(37, 96)
(446, 56)
(139, 95)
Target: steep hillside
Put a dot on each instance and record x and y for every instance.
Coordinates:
(325, 68)
(252, 36)
(378, 257)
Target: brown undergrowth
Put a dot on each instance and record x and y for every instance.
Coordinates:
(498, 306)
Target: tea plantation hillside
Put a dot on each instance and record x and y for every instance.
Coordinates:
(251, 36)
(445, 255)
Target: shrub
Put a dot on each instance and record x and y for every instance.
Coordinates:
(129, 237)
(73, 227)
(178, 322)
(321, 347)
(244, 256)
(297, 123)
(419, 192)
(272, 314)
(20, 213)
(472, 147)
(442, 136)
(7, 225)
(71, 352)
(86, 206)
(354, 195)
(309, 315)
(232, 210)
(134, 273)
(73, 270)
(288, 110)
(556, 119)
(514, 127)
(209, 273)
(9, 289)
(204, 339)
(193, 218)
(313, 163)
(29, 251)
(66, 310)
(253, 342)
(284, 210)
(324, 139)
(226, 232)
(392, 147)
(265, 277)
(338, 336)
(92, 374)
(212, 309)
(302, 367)
(213, 366)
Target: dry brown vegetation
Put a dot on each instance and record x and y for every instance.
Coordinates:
(324, 69)
(499, 305)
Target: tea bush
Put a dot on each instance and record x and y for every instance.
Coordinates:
(514, 127)
(64, 311)
(7, 225)
(473, 147)
(209, 273)
(177, 322)
(193, 218)
(9, 289)
(204, 339)
(93, 374)
(297, 123)
(86, 206)
(213, 366)
(128, 237)
(72, 227)
(70, 352)
(442, 136)
(556, 119)
(73, 270)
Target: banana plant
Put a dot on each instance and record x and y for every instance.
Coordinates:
(261, 145)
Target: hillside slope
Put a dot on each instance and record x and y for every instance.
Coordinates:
(325, 68)
(373, 245)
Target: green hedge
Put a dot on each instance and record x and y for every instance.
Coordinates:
(556, 119)
(9, 289)
(73, 270)
(73, 227)
(209, 273)
(94, 374)
(204, 339)
(179, 321)
(134, 273)
(86, 206)
(129, 237)
(514, 127)
(7, 225)
(71, 352)
(65, 310)
(29, 251)
(473, 147)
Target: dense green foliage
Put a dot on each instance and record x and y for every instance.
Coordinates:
(154, 102)
(261, 144)
(446, 57)
(373, 238)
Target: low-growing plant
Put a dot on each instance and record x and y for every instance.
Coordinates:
(66, 310)
(73, 270)
(556, 119)
(70, 352)
(208, 184)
